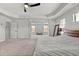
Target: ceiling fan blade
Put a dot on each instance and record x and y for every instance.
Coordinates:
(24, 9)
(26, 4)
(37, 4)
(33, 5)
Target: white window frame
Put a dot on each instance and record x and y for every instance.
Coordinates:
(32, 28)
(75, 17)
(62, 23)
(47, 29)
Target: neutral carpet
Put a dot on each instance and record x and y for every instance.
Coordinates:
(22, 47)
(57, 46)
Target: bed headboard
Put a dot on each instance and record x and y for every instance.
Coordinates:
(73, 33)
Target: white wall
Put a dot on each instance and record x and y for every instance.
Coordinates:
(69, 18)
(51, 26)
(51, 23)
(24, 27)
(3, 20)
(39, 25)
(20, 28)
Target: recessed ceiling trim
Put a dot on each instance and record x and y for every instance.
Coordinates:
(61, 6)
(65, 9)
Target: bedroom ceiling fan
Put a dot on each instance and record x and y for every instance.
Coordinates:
(27, 5)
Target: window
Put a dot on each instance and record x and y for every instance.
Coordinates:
(33, 28)
(45, 28)
(74, 18)
(62, 23)
(77, 16)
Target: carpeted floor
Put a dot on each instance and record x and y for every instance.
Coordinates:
(22, 47)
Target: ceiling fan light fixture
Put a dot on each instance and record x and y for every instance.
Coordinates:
(26, 6)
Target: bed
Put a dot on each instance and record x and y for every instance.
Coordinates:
(64, 45)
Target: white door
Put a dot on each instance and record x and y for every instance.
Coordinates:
(20, 30)
(2, 32)
(14, 30)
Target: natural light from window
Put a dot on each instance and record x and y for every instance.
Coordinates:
(77, 16)
(62, 23)
(45, 28)
(33, 28)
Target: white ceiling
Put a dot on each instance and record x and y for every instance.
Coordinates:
(17, 10)
(42, 10)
